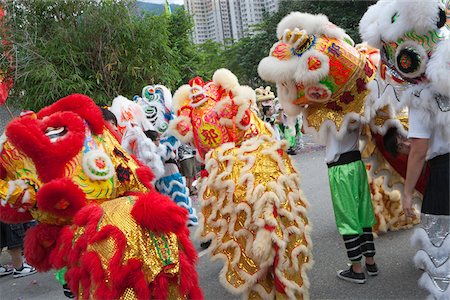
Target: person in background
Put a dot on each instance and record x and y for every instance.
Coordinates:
(11, 236)
(111, 120)
(186, 159)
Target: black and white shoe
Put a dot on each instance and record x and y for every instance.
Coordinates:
(372, 270)
(25, 271)
(5, 270)
(351, 276)
(67, 292)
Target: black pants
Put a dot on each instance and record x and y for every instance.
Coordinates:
(436, 197)
(11, 235)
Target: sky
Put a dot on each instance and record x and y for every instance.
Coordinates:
(162, 1)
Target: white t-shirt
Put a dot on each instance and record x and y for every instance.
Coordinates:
(418, 129)
(335, 147)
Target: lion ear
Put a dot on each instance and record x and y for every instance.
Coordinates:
(181, 128)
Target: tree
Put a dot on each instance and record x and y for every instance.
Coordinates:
(98, 48)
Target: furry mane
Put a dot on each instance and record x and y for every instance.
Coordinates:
(313, 24)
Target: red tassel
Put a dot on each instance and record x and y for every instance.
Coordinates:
(159, 213)
(38, 243)
(11, 216)
(81, 105)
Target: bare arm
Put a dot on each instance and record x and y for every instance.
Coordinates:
(416, 160)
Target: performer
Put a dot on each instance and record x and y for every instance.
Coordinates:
(321, 74)
(414, 40)
(253, 210)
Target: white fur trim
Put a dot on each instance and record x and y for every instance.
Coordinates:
(306, 76)
(189, 137)
(258, 208)
(423, 261)
(3, 139)
(274, 70)
(413, 15)
(13, 185)
(313, 24)
(260, 250)
(225, 79)
(180, 97)
(438, 68)
(421, 240)
(427, 283)
(287, 93)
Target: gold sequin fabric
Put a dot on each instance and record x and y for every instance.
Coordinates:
(157, 252)
(20, 166)
(256, 215)
(112, 188)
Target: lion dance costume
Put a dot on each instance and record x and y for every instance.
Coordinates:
(156, 102)
(321, 74)
(100, 218)
(414, 39)
(252, 207)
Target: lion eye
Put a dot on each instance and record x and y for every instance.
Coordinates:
(410, 60)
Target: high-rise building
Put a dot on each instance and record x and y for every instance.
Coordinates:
(225, 21)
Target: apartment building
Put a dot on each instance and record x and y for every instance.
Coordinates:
(226, 20)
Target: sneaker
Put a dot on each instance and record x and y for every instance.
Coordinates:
(67, 292)
(372, 270)
(5, 270)
(26, 270)
(350, 275)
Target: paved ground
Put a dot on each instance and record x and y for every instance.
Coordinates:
(397, 278)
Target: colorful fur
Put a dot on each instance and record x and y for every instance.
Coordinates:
(99, 214)
(253, 211)
(414, 41)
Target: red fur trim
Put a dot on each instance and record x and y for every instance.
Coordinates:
(279, 286)
(160, 287)
(159, 213)
(61, 197)
(11, 216)
(38, 244)
(28, 135)
(187, 246)
(81, 105)
(189, 284)
(89, 213)
(91, 261)
(196, 81)
(145, 176)
(62, 248)
(144, 173)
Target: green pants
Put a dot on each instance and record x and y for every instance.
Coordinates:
(352, 201)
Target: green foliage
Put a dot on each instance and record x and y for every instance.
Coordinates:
(243, 57)
(99, 48)
(105, 48)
